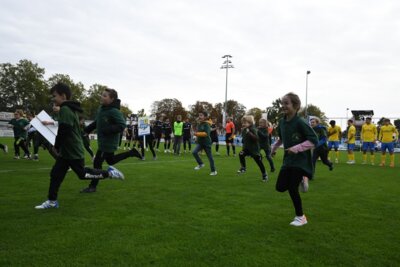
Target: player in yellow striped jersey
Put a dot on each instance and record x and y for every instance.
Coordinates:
(388, 136)
(334, 135)
(369, 135)
(351, 142)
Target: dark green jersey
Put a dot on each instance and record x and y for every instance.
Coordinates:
(263, 138)
(71, 145)
(19, 127)
(204, 127)
(110, 123)
(292, 133)
(250, 140)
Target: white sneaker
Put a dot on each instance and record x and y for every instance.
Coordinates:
(5, 149)
(299, 221)
(336, 161)
(115, 173)
(48, 204)
(213, 173)
(198, 167)
(304, 184)
(351, 162)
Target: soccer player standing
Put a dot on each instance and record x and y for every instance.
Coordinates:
(187, 135)
(369, 136)
(351, 142)
(334, 135)
(230, 136)
(387, 135)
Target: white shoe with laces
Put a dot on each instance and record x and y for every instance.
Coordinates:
(213, 173)
(114, 173)
(198, 167)
(299, 221)
(48, 204)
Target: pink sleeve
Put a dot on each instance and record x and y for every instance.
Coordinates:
(306, 145)
(276, 145)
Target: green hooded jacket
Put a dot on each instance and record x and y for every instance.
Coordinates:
(109, 125)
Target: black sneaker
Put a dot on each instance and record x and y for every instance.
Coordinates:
(265, 177)
(88, 190)
(241, 170)
(331, 167)
(272, 169)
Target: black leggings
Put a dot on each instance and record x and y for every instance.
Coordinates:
(290, 179)
(157, 140)
(20, 143)
(60, 169)
(321, 152)
(257, 159)
(111, 159)
(188, 140)
(150, 144)
(269, 158)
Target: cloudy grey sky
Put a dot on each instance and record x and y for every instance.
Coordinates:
(149, 50)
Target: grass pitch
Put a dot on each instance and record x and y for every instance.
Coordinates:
(167, 214)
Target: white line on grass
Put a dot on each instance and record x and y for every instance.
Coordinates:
(126, 163)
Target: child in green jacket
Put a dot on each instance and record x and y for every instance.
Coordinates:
(109, 124)
(203, 142)
(251, 146)
(298, 139)
(69, 147)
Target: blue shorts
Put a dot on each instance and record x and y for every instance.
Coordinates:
(334, 144)
(388, 146)
(350, 147)
(368, 146)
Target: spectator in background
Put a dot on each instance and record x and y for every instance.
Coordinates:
(230, 136)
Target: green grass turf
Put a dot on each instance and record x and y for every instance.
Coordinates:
(167, 214)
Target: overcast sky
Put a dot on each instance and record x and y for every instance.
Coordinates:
(150, 50)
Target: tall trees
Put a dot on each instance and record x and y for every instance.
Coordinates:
(169, 108)
(22, 87)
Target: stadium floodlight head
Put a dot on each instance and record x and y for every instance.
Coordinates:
(227, 56)
(308, 72)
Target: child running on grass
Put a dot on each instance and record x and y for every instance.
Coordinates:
(297, 138)
(251, 146)
(264, 139)
(203, 142)
(321, 149)
(19, 125)
(109, 124)
(69, 147)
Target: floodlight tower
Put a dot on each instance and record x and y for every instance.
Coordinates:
(307, 73)
(226, 65)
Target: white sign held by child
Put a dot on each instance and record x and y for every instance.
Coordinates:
(48, 131)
